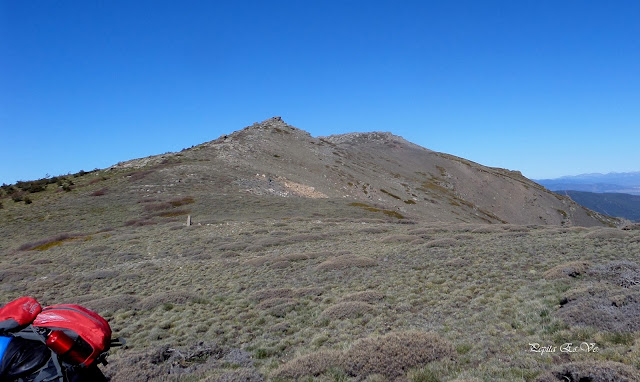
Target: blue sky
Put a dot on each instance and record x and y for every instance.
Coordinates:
(549, 88)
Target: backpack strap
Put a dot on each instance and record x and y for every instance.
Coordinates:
(31, 333)
(51, 371)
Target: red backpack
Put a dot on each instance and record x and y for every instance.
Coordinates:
(78, 335)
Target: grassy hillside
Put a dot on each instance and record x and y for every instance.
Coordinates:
(346, 262)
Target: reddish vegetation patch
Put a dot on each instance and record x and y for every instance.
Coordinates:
(43, 245)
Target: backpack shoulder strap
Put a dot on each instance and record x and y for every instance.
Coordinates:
(51, 371)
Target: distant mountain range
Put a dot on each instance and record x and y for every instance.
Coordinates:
(625, 182)
(613, 194)
(611, 204)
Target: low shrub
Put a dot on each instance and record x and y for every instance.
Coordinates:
(348, 309)
(275, 301)
(158, 363)
(17, 196)
(622, 273)
(174, 297)
(173, 213)
(138, 175)
(305, 256)
(400, 238)
(607, 233)
(490, 228)
(181, 201)
(138, 222)
(591, 371)
(278, 307)
(112, 303)
(373, 230)
(43, 245)
(602, 305)
(245, 374)
(570, 269)
(369, 296)
(312, 365)
(346, 261)
(394, 354)
(99, 192)
(446, 242)
(271, 293)
(17, 273)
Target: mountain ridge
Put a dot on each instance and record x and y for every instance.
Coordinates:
(275, 158)
(616, 182)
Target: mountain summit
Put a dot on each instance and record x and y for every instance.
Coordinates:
(375, 171)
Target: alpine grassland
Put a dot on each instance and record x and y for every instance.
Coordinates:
(325, 296)
(358, 257)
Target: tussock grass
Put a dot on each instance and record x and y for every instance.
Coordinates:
(394, 354)
(487, 297)
(370, 296)
(348, 309)
(570, 269)
(172, 297)
(399, 239)
(346, 261)
(110, 304)
(445, 242)
(287, 293)
(607, 233)
(312, 364)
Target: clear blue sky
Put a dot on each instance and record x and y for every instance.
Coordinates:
(548, 88)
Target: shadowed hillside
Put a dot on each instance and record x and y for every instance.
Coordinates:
(612, 204)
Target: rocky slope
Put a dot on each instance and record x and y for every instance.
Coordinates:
(373, 170)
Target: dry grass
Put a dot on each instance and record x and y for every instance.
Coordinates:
(346, 261)
(445, 242)
(165, 286)
(570, 269)
(171, 297)
(607, 233)
(394, 354)
(369, 296)
(348, 309)
(312, 364)
(399, 239)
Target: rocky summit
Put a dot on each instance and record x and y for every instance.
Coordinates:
(376, 170)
